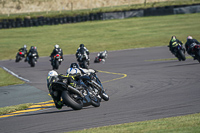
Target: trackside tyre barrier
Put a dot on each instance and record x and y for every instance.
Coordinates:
(40, 21)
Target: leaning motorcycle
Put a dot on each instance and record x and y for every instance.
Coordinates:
(101, 57)
(78, 97)
(179, 51)
(56, 61)
(196, 51)
(20, 55)
(83, 60)
(94, 85)
(32, 58)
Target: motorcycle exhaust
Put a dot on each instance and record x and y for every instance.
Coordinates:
(96, 84)
(74, 90)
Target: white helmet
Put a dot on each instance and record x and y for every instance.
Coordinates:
(56, 46)
(73, 71)
(25, 46)
(189, 37)
(52, 73)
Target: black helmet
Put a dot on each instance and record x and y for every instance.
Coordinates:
(173, 38)
(81, 45)
(74, 65)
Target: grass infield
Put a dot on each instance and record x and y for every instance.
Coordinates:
(101, 35)
(8, 79)
(180, 124)
(9, 109)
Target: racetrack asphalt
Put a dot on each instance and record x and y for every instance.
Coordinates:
(152, 89)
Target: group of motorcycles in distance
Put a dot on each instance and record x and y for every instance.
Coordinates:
(30, 57)
(82, 58)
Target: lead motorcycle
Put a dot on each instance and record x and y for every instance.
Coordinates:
(78, 97)
(32, 58)
(20, 55)
(56, 61)
(83, 59)
(179, 52)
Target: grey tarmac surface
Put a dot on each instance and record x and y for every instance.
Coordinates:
(19, 94)
(151, 90)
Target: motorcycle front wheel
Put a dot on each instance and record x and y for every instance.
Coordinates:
(32, 62)
(56, 64)
(71, 101)
(94, 101)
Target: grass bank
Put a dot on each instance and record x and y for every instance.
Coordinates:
(8, 79)
(9, 109)
(180, 124)
(101, 35)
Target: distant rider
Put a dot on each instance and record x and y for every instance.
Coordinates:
(190, 44)
(33, 49)
(102, 55)
(57, 50)
(53, 76)
(173, 43)
(23, 49)
(80, 49)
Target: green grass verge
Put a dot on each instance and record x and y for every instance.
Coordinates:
(180, 124)
(101, 35)
(8, 79)
(10, 109)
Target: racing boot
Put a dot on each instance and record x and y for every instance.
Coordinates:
(194, 57)
(59, 104)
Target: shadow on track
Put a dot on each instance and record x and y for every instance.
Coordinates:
(52, 112)
(191, 64)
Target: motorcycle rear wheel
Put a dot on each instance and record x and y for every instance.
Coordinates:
(182, 56)
(56, 64)
(32, 62)
(198, 58)
(70, 101)
(85, 64)
(17, 59)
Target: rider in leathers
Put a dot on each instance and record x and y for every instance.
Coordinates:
(23, 49)
(173, 42)
(82, 47)
(53, 76)
(75, 69)
(190, 44)
(32, 50)
(57, 50)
